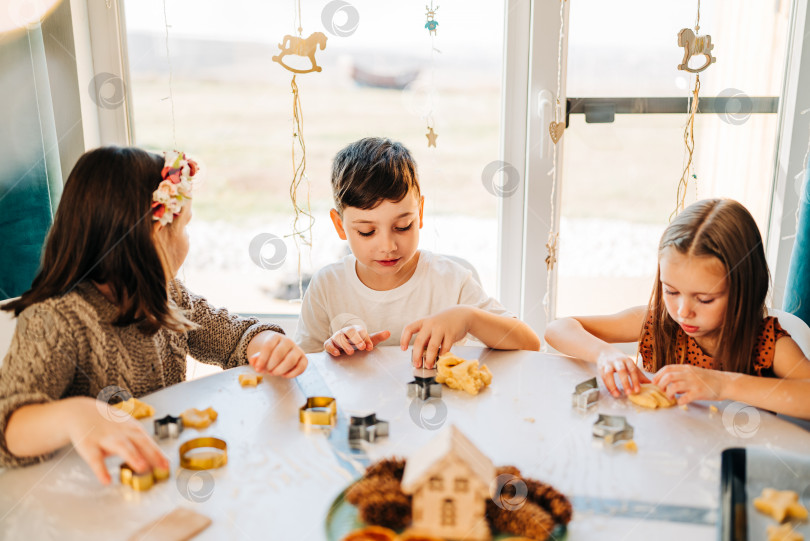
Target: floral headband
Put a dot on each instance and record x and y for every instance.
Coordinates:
(175, 190)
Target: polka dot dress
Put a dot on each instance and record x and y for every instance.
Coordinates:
(769, 332)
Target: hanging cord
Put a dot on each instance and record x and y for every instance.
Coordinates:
(553, 235)
(689, 143)
(689, 140)
(169, 62)
(304, 236)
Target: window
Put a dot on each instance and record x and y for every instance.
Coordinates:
(436, 483)
(232, 108)
(461, 484)
(620, 178)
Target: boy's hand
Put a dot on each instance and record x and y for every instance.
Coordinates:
(617, 363)
(436, 332)
(278, 355)
(348, 339)
(691, 382)
(98, 430)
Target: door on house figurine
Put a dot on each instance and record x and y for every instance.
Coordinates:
(448, 513)
(622, 154)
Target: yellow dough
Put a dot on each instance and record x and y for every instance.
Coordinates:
(136, 408)
(780, 504)
(250, 380)
(651, 396)
(783, 533)
(458, 373)
(194, 418)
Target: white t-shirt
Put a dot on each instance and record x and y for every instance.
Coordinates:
(337, 298)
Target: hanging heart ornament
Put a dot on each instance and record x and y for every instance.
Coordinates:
(556, 129)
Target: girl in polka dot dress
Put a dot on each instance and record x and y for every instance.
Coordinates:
(705, 333)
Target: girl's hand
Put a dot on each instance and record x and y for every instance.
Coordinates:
(614, 363)
(434, 333)
(98, 430)
(278, 355)
(353, 337)
(691, 382)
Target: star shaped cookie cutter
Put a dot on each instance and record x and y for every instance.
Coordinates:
(168, 427)
(585, 395)
(424, 384)
(612, 428)
(319, 410)
(367, 428)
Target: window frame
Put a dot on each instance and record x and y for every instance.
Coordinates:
(530, 66)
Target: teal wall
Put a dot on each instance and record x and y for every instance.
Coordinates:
(30, 173)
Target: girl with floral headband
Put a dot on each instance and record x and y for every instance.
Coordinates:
(105, 315)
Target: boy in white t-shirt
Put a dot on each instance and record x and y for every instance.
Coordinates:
(388, 291)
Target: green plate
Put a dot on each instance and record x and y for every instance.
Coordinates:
(342, 518)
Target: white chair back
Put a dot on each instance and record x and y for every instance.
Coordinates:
(798, 329)
(466, 264)
(800, 332)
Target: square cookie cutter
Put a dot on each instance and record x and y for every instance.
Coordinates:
(318, 410)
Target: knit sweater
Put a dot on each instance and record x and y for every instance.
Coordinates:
(67, 346)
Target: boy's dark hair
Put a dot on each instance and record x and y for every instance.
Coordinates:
(370, 171)
(102, 232)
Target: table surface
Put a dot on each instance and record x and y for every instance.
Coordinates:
(281, 479)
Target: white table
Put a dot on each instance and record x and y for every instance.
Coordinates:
(280, 480)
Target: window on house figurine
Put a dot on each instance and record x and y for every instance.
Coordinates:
(461, 484)
(436, 483)
(448, 513)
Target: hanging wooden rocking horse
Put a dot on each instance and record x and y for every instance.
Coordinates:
(694, 45)
(294, 45)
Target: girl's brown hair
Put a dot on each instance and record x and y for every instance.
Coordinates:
(103, 232)
(724, 229)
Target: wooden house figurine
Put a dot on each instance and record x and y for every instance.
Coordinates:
(449, 480)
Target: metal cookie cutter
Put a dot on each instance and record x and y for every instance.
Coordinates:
(424, 384)
(612, 428)
(367, 428)
(208, 461)
(319, 410)
(168, 427)
(141, 481)
(586, 394)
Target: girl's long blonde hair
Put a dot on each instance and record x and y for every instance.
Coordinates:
(724, 229)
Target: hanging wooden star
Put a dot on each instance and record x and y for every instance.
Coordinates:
(431, 137)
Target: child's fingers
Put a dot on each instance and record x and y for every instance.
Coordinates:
(356, 338)
(299, 368)
(378, 337)
(419, 346)
(408, 332)
(286, 363)
(345, 344)
(432, 352)
(634, 377)
(609, 380)
(447, 344)
(124, 448)
(149, 450)
(94, 458)
(330, 347)
(621, 370)
(278, 356)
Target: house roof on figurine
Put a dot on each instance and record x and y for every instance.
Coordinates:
(450, 480)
